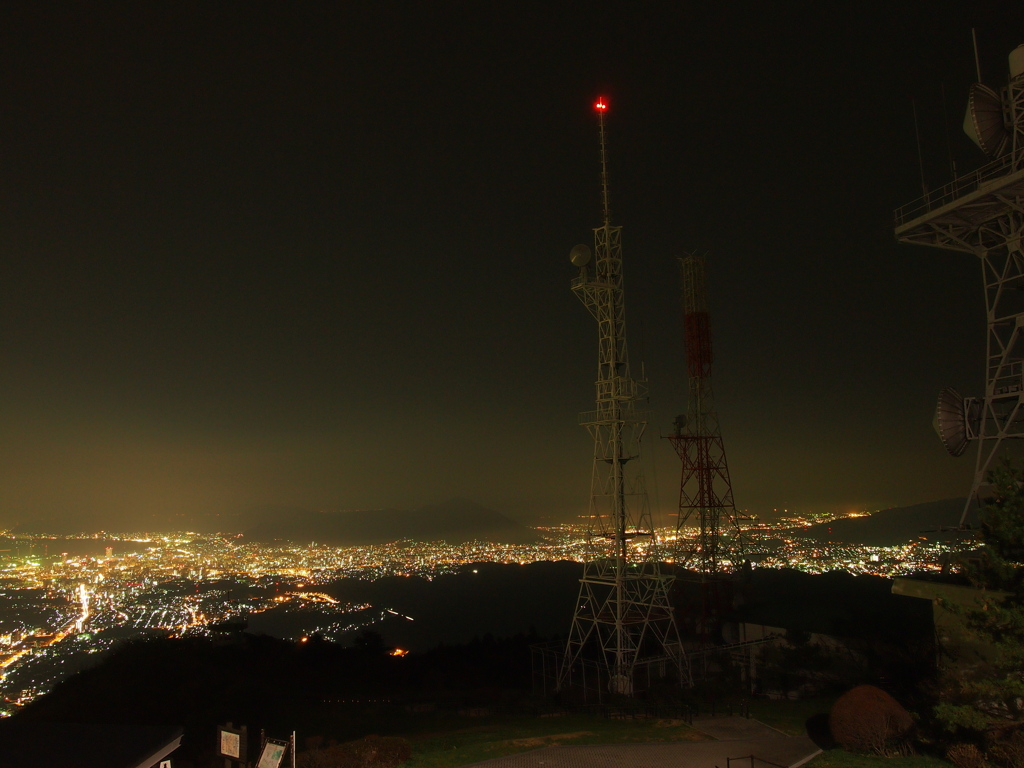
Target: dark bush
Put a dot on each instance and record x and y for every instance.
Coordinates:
(1008, 751)
(965, 756)
(370, 752)
(867, 719)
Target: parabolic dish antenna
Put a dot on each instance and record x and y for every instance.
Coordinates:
(983, 121)
(956, 420)
(580, 255)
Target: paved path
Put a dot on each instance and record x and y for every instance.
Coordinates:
(730, 728)
(770, 745)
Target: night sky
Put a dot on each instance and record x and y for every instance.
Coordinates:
(316, 255)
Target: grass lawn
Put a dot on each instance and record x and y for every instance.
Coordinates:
(495, 737)
(838, 758)
(449, 742)
(790, 717)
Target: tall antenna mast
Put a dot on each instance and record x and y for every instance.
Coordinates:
(601, 108)
(624, 621)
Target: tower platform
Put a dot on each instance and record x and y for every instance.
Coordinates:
(948, 217)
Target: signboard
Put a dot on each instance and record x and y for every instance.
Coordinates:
(230, 744)
(272, 755)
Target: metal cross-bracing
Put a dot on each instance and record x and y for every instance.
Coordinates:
(705, 489)
(706, 494)
(989, 224)
(982, 214)
(1014, 116)
(623, 619)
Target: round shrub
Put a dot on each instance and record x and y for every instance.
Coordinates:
(867, 719)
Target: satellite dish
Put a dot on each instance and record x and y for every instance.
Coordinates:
(680, 422)
(580, 255)
(983, 121)
(956, 420)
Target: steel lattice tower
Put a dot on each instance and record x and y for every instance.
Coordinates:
(705, 490)
(982, 214)
(623, 617)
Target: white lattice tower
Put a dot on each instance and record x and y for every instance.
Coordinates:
(623, 616)
(982, 214)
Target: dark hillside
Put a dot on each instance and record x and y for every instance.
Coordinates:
(898, 525)
(894, 634)
(836, 603)
(500, 599)
(318, 687)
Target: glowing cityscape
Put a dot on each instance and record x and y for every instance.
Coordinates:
(58, 610)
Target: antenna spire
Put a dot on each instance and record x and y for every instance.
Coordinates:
(977, 64)
(601, 108)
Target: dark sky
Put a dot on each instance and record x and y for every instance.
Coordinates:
(316, 255)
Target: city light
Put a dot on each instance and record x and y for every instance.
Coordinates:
(188, 584)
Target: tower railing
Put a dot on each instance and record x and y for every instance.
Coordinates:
(1010, 382)
(592, 281)
(953, 190)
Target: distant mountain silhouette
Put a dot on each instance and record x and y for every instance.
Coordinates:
(456, 521)
(898, 525)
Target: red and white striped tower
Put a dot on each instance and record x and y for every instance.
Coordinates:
(705, 490)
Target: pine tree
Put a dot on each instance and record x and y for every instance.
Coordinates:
(993, 705)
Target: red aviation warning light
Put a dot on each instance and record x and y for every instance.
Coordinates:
(600, 105)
